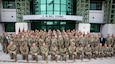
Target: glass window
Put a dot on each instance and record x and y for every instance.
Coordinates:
(56, 13)
(63, 13)
(63, 1)
(56, 1)
(63, 7)
(43, 12)
(96, 6)
(43, 1)
(43, 7)
(49, 7)
(62, 23)
(50, 2)
(9, 4)
(56, 7)
(49, 12)
(49, 23)
(95, 28)
(9, 27)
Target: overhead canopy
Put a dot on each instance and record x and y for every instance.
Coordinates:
(53, 17)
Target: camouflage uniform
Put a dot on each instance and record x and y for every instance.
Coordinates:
(88, 52)
(24, 51)
(12, 49)
(72, 51)
(54, 53)
(44, 52)
(63, 52)
(80, 52)
(34, 51)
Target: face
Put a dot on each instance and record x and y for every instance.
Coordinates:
(34, 45)
(11, 43)
(44, 44)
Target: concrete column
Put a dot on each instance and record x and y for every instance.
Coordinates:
(2, 28)
(0, 9)
(108, 29)
(22, 26)
(84, 27)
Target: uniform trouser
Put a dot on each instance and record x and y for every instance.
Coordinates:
(63, 57)
(35, 57)
(95, 55)
(71, 56)
(45, 57)
(109, 54)
(80, 55)
(101, 54)
(5, 48)
(54, 57)
(88, 55)
(13, 56)
(25, 56)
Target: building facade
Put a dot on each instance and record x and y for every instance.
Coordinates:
(84, 15)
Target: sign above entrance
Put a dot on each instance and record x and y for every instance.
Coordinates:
(53, 17)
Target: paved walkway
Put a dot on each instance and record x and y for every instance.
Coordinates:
(5, 59)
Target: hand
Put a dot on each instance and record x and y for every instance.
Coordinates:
(74, 52)
(35, 54)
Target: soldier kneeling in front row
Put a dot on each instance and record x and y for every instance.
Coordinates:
(12, 49)
(24, 51)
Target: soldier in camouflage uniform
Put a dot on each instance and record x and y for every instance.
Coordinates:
(54, 52)
(80, 51)
(63, 51)
(12, 49)
(53, 40)
(88, 51)
(105, 50)
(66, 40)
(34, 51)
(100, 51)
(114, 49)
(44, 51)
(109, 40)
(24, 51)
(95, 51)
(110, 51)
(72, 51)
(60, 41)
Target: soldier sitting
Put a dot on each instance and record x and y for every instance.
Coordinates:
(101, 54)
(34, 51)
(63, 52)
(110, 51)
(54, 52)
(88, 51)
(24, 51)
(80, 51)
(72, 51)
(95, 51)
(12, 49)
(44, 51)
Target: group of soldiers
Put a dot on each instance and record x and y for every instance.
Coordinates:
(72, 43)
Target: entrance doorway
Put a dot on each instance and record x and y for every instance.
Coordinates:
(53, 25)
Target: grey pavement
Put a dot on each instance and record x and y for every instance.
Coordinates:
(5, 59)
